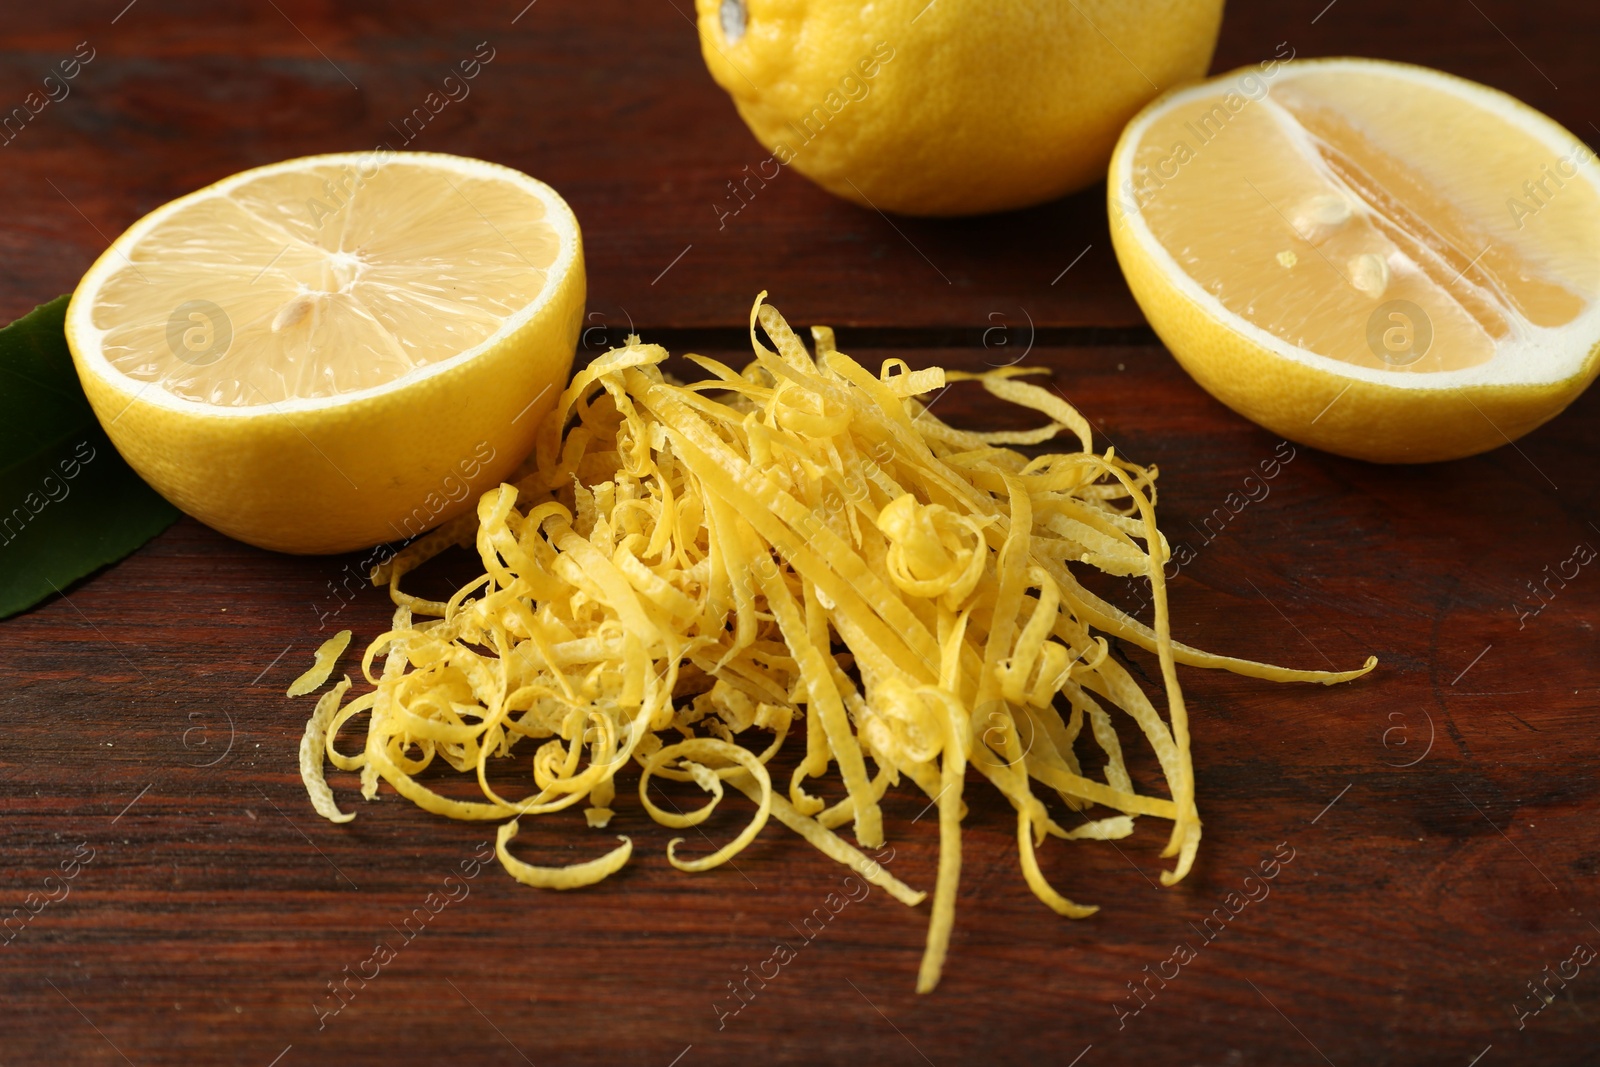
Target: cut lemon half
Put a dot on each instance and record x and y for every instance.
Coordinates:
(334, 351)
(1380, 260)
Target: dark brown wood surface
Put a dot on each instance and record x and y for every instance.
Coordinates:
(1440, 814)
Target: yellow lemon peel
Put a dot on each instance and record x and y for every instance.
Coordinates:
(800, 539)
(322, 665)
(311, 746)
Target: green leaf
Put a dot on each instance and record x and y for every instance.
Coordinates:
(68, 503)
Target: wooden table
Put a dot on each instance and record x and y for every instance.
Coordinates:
(1440, 814)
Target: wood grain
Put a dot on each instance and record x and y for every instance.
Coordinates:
(1439, 813)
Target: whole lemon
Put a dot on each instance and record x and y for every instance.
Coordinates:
(949, 107)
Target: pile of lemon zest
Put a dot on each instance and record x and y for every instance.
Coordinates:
(327, 655)
(803, 538)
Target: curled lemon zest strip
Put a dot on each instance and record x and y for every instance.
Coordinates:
(573, 876)
(324, 658)
(711, 782)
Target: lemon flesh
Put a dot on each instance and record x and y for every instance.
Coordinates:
(334, 351)
(411, 267)
(955, 107)
(1424, 244)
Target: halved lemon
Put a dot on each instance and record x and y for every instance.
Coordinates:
(1380, 260)
(334, 351)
